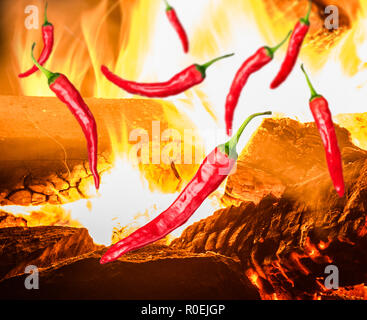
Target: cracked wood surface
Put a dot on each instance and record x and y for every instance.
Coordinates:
(43, 156)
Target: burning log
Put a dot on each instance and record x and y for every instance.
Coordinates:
(281, 154)
(8, 220)
(320, 38)
(355, 123)
(300, 225)
(154, 272)
(40, 246)
(43, 151)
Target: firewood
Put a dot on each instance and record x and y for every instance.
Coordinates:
(283, 153)
(154, 272)
(320, 39)
(43, 154)
(288, 238)
(40, 246)
(9, 220)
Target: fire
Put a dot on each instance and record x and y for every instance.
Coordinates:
(135, 40)
(324, 245)
(114, 212)
(254, 278)
(315, 255)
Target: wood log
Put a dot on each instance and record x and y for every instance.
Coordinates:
(283, 153)
(8, 220)
(40, 141)
(40, 246)
(319, 39)
(286, 240)
(154, 272)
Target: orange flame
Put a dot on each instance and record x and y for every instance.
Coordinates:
(134, 38)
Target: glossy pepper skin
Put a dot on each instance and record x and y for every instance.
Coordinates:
(186, 79)
(177, 25)
(48, 43)
(254, 63)
(320, 110)
(295, 44)
(69, 95)
(211, 173)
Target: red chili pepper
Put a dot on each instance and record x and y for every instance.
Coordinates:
(295, 44)
(212, 172)
(175, 22)
(69, 95)
(323, 118)
(182, 81)
(48, 41)
(254, 63)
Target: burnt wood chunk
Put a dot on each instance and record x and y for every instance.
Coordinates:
(9, 220)
(320, 39)
(154, 272)
(44, 156)
(40, 246)
(286, 239)
(284, 153)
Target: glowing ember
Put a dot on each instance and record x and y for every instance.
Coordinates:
(254, 278)
(324, 245)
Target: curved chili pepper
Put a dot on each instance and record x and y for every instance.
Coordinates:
(182, 81)
(69, 95)
(254, 63)
(212, 172)
(177, 25)
(294, 47)
(48, 40)
(323, 118)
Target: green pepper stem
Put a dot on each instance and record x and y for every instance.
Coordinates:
(46, 23)
(202, 68)
(230, 146)
(168, 7)
(50, 75)
(306, 19)
(208, 64)
(274, 49)
(314, 94)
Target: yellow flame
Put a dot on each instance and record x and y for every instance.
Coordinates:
(134, 39)
(123, 204)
